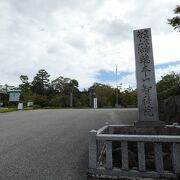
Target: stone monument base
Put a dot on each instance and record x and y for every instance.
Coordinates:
(149, 123)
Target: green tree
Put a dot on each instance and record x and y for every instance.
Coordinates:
(128, 97)
(175, 21)
(25, 86)
(83, 100)
(26, 92)
(65, 85)
(72, 88)
(73, 84)
(104, 93)
(41, 100)
(59, 83)
(68, 88)
(168, 86)
(168, 81)
(24, 78)
(40, 83)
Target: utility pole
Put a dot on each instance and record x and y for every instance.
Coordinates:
(116, 105)
(90, 98)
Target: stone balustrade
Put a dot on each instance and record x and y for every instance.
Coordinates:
(101, 145)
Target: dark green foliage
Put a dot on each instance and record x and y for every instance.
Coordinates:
(26, 88)
(168, 89)
(169, 85)
(168, 81)
(175, 21)
(41, 100)
(83, 100)
(40, 83)
(57, 93)
(128, 97)
(106, 95)
(46, 94)
(59, 101)
(65, 85)
(175, 90)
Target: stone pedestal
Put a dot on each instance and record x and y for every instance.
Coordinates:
(149, 123)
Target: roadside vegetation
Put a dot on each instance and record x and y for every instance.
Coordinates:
(57, 93)
(168, 86)
(5, 110)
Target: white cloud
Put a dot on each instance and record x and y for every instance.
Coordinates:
(166, 47)
(77, 39)
(163, 71)
(130, 80)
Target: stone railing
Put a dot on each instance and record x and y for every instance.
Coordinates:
(101, 154)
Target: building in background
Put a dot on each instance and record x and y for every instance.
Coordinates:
(14, 95)
(3, 97)
(9, 93)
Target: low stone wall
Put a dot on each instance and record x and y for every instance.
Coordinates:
(122, 151)
(169, 109)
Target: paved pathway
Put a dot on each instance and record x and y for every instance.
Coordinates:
(51, 144)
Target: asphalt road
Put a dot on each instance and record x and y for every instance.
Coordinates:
(51, 144)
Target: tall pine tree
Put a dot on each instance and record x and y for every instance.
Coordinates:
(40, 84)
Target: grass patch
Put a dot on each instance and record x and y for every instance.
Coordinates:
(5, 110)
(8, 110)
(28, 108)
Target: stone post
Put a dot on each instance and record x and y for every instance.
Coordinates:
(95, 103)
(108, 154)
(92, 150)
(141, 156)
(176, 157)
(124, 155)
(20, 106)
(145, 77)
(158, 157)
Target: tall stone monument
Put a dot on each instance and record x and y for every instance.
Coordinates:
(145, 77)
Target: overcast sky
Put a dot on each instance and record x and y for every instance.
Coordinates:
(83, 39)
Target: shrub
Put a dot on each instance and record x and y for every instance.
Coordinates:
(41, 100)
